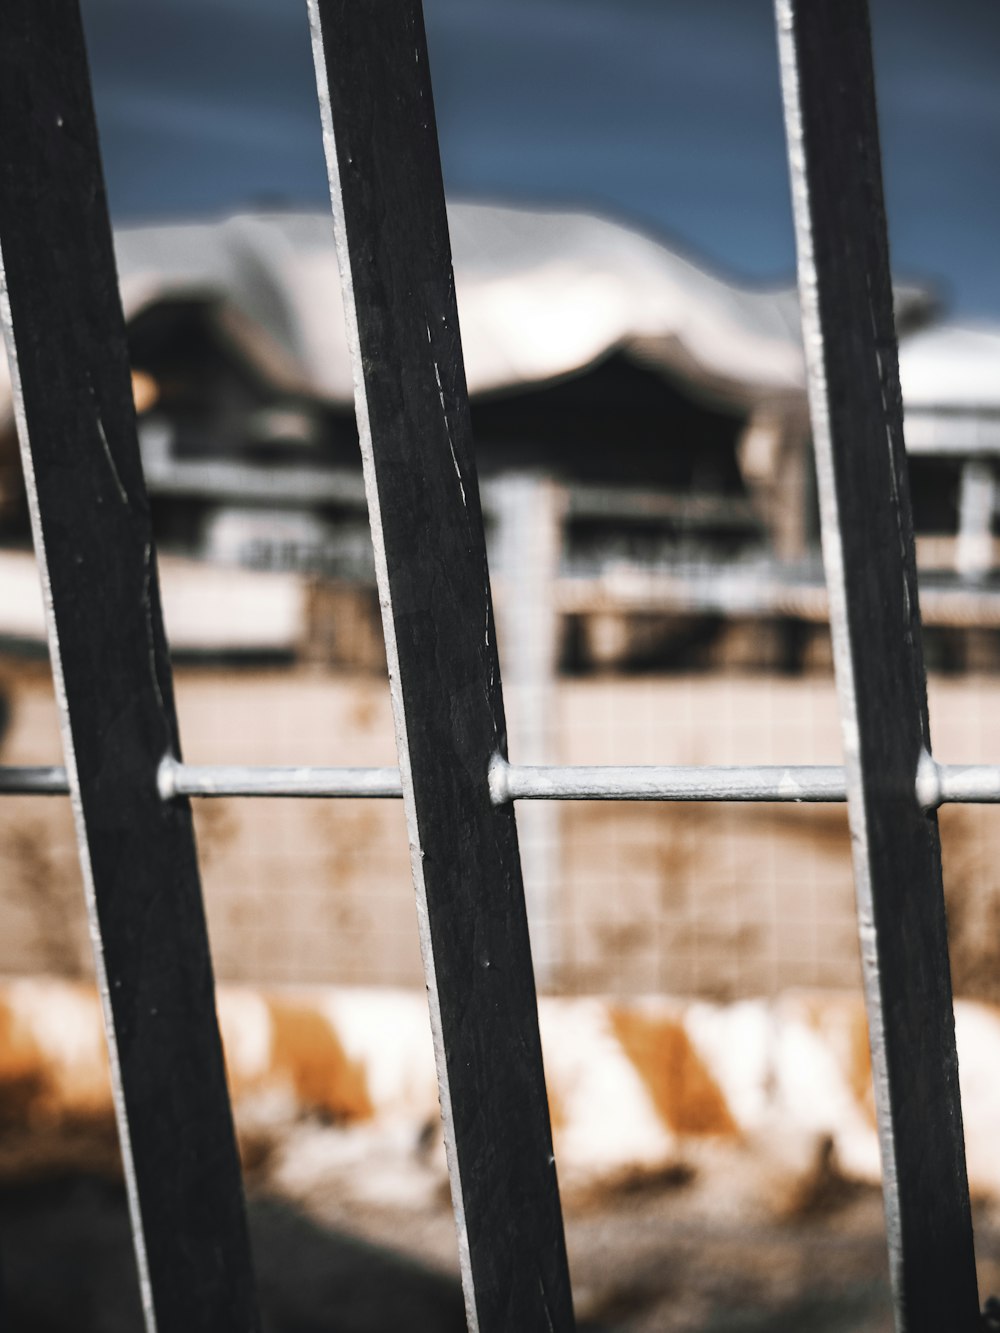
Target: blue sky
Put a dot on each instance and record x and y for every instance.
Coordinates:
(660, 112)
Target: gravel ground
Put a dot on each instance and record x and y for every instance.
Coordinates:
(661, 1258)
(667, 1258)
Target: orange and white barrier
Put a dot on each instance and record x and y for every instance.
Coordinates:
(332, 1080)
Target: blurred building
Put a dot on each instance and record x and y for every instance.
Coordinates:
(665, 405)
(643, 443)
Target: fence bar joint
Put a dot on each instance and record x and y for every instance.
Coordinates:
(929, 789)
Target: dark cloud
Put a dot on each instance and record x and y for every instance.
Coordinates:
(664, 113)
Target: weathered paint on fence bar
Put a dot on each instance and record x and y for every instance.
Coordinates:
(413, 419)
(856, 407)
(91, 522)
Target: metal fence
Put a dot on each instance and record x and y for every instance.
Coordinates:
(129, 786)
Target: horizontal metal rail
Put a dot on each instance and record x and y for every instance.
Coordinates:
(935, 784)
(36, 780)
(514, 782)
(177, 779)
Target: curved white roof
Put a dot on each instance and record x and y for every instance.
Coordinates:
(951, 368)
(541, 295)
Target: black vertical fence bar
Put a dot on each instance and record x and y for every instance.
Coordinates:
(66, 342)
(844, 282)
(394, 252)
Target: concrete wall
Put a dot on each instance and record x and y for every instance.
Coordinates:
(719, 901)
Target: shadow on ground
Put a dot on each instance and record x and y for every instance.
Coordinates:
(643, 1263)
(67, 1262)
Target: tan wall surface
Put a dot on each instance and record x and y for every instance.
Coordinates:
(713, 900)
